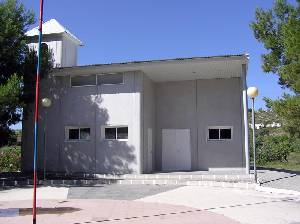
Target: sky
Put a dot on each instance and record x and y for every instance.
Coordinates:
(132, 30)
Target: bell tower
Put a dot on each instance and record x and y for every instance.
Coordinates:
(61, 41)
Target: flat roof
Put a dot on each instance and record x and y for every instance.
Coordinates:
(221, 66)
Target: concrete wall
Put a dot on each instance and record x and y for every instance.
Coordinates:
(120, 105)
(195, 105)
(142, 105)
(69, 53)
(219, 104)
(95, 107)
(148, 110)
(175, 109)
(53, 122)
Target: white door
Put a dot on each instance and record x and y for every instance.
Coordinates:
(149, 149)
(176, 149)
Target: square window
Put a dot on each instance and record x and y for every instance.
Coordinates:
(110, 133)
(85, 133)
(110, 79)
(213, 134)
(73, 134)
(225, 133)
(88, 80)
(122, 133)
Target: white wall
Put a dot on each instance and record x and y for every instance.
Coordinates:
(69, 53)
(94, 107)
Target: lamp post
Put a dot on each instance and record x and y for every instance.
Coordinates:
(252, 92)
(46, 103)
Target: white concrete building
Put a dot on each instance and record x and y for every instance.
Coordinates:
(139, 117)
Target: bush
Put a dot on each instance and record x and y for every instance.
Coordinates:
(274, 148)
(10, 159)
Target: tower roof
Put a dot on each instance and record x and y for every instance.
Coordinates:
(53, 27)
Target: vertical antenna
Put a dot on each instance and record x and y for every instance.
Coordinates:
(36, 114)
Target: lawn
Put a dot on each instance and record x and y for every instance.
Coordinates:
(292, 164)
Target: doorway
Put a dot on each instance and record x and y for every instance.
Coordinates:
(176, 149)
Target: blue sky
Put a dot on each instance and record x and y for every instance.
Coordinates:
(117, 31)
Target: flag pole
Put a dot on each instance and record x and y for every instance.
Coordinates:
(36, 114)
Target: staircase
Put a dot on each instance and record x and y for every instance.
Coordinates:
(182, 179)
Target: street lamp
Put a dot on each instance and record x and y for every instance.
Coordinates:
(252, 92)
(46, 103)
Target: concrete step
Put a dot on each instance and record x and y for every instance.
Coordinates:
(98, 182)
(180, 177)
(235, 181)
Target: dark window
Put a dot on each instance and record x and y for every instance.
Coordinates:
(219, 133)
(110, 79)
(122, 133)
(225, 133)
(88, 80)
(110, 133)
(74, 134)
(85, 133)
(213, 134)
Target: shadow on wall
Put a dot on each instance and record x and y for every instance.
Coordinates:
(96, 155)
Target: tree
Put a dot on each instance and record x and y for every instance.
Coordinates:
(279, 30)
(288, 107)
(14, 21)
(17, 64)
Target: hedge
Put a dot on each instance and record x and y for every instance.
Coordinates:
(10, 159)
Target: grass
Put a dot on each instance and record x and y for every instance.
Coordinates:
(293, 163)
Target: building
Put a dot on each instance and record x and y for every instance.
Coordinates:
(139, 117)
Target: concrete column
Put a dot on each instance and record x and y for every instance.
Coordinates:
(245, 116)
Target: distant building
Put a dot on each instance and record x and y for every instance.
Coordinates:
(261, 125)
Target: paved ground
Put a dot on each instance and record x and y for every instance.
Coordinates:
(289, 180)
(159, 205)
(117, 192)
(113, 212)
(245, 206)
(15, 194)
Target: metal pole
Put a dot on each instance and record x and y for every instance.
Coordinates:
(45, 143)
(246, 123)
(254, 146)
(36, 114)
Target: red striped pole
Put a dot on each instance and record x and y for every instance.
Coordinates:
(36, 114)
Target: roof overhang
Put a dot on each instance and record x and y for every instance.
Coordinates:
(170, 69)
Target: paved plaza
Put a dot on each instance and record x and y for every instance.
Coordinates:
(149, 204)
(159, 204)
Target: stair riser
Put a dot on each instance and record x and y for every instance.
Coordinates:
(69, 183)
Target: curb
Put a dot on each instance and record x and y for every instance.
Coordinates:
(272, 190)
(80, 182)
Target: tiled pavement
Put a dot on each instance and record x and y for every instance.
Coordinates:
(111, 212)
(117, 192)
